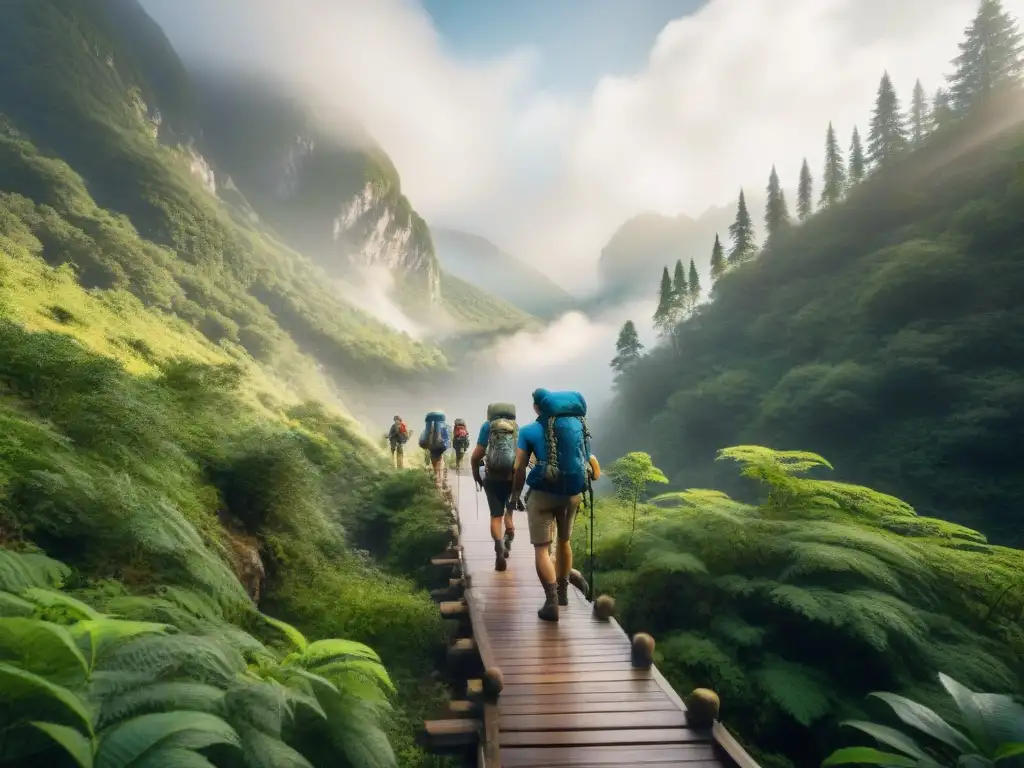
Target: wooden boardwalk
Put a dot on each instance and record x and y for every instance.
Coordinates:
(567, 694)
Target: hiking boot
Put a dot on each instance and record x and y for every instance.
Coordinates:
(509, 535)
(577, 580)
(500, 555)
(549, 611)
(562, 587)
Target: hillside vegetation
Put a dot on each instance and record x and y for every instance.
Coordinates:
(797, 606)
(884, 333)
(160, 459)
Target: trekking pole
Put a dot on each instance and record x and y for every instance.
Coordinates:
(591, 563)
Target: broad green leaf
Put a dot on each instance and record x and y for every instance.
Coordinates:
(322, 651)
(297, 638)
(161, 697)
(925, 720)
(127, 742)
(75, 743)
(370, 670)
(867, 756)
(50, 598)
(1008, 750)
(172, 758)
(97, 636)
(44, 648)
(891, 738)
(974, 761)
(16, 682)
(12, 605)
(991, 718)
(263, 751)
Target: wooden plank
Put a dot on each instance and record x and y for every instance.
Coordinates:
(553, 705)
(609, 737)
(626, 673)
(522, 757)
(541, 702)
(593, 721)
(564, 664)
(583, 687)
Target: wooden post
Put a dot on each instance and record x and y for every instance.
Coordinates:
(642, 652)
(702, 708)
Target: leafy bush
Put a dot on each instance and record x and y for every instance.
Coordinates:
(111, 691)
(794, 609)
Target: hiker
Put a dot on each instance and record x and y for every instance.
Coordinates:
(560, 443)
(496, 451)
(460, 441)
(398, 436)
(435, 439)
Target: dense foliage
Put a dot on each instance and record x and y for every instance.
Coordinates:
(795, 609)
(882, 331)
(992, 732)
(168, 681)
(172, 481)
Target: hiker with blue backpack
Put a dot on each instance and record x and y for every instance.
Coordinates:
(559, 441)
(436, 440)
(496, 451)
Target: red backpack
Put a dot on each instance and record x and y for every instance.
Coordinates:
(461, 431)
(403, 431)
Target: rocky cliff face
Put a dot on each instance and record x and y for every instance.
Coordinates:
(375, 231)
(341, 205)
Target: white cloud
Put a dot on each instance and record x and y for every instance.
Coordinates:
(726, 92)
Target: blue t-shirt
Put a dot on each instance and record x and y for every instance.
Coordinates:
(532, 440)
(485, 432)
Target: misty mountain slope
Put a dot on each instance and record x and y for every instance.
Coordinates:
(480, 262)
(885, 334)
(342, 204)
(85, 103)
(630, 263)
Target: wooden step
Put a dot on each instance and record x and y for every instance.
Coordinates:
(449, 736)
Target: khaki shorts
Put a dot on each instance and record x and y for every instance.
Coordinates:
(543, 509)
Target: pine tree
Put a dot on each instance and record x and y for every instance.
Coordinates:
(990, 56)
(742, 233)
(855, 174)
(942, 109)
(680, 291)
(664, 315)
(834, 176)
(628, 348)
(717, 259)
(888, 136)
(694, 284)
(776, 212)
(804, 204)
(920, 116)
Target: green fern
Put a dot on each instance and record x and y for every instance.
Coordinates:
(800, 691)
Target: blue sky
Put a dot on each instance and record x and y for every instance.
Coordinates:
(578, 40)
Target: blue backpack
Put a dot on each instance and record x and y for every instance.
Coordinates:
(435, 436)
(564, 415)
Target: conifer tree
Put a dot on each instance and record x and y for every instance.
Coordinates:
(742, 233)
(717, 259)
(888, 135)
(804, 203)
(694, 285)
(942, 109)
(628, 348)
(834, 175)
(664, 314)
(855, 174)
(990, 56)
(680, 291)
(776, 212)
(920, 116)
